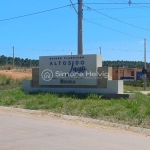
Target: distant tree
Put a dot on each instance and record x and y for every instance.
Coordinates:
(3, 60)
(20, 62)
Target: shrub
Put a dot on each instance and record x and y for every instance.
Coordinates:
(136, 83)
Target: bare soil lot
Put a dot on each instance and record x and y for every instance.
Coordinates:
(17, 74)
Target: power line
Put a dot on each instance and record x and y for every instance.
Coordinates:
(103, 3)
(73, 6)
(115, 29)
(118, 19)
(27, 15)
(113, 8)
(118, 3)
(111, 49)
(123, 17)
(124, 50)
(142, 7)
(87, 49)
(127, 2)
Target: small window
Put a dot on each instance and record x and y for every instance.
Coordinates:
(116, 71)
(132, 73)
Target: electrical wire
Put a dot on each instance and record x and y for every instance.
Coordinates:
(142, 7)
(113, 8)
(115, 30)
(27, 15)
(73, 6)
(118, 19)
(87, 49)
(117, 3)
(133, 17)
(139, 6)
(125, 2)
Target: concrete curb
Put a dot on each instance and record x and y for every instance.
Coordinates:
(80, 119)
(145, 92)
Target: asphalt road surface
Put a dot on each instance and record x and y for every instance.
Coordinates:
(21, 131)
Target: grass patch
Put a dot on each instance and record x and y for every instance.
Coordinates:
(130, 89)
(127, 111)
(7, 83)
(139, 83)
(133, 112)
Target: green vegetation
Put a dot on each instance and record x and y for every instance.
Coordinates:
(139, 83)
(6, 62)
(127, 111)
(131, 89)
(7, 83)
(20, 62)
(129, 64)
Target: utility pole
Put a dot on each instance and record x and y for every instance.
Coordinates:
(80, 17)
(6, 61)
(100, 50)
(145, 75)
(145, 53)
(13, 56)
(30, 63)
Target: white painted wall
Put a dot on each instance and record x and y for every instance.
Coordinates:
(57, 66)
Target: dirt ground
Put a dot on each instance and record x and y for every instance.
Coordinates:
(17, 74)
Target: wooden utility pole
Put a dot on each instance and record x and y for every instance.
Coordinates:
(145, 75)
(13, 56)
(80, 17)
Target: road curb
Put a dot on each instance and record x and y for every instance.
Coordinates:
(80, 119)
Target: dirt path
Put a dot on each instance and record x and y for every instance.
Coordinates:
(24, 131)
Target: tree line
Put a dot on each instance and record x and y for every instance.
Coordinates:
(125, 64)
(20, 62)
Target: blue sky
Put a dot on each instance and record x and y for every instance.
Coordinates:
(55, 32)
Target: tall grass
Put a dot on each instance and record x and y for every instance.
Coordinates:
(9, 83)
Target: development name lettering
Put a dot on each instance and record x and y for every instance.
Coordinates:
(76, 66)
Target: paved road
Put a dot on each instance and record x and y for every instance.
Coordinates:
(21, 131)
